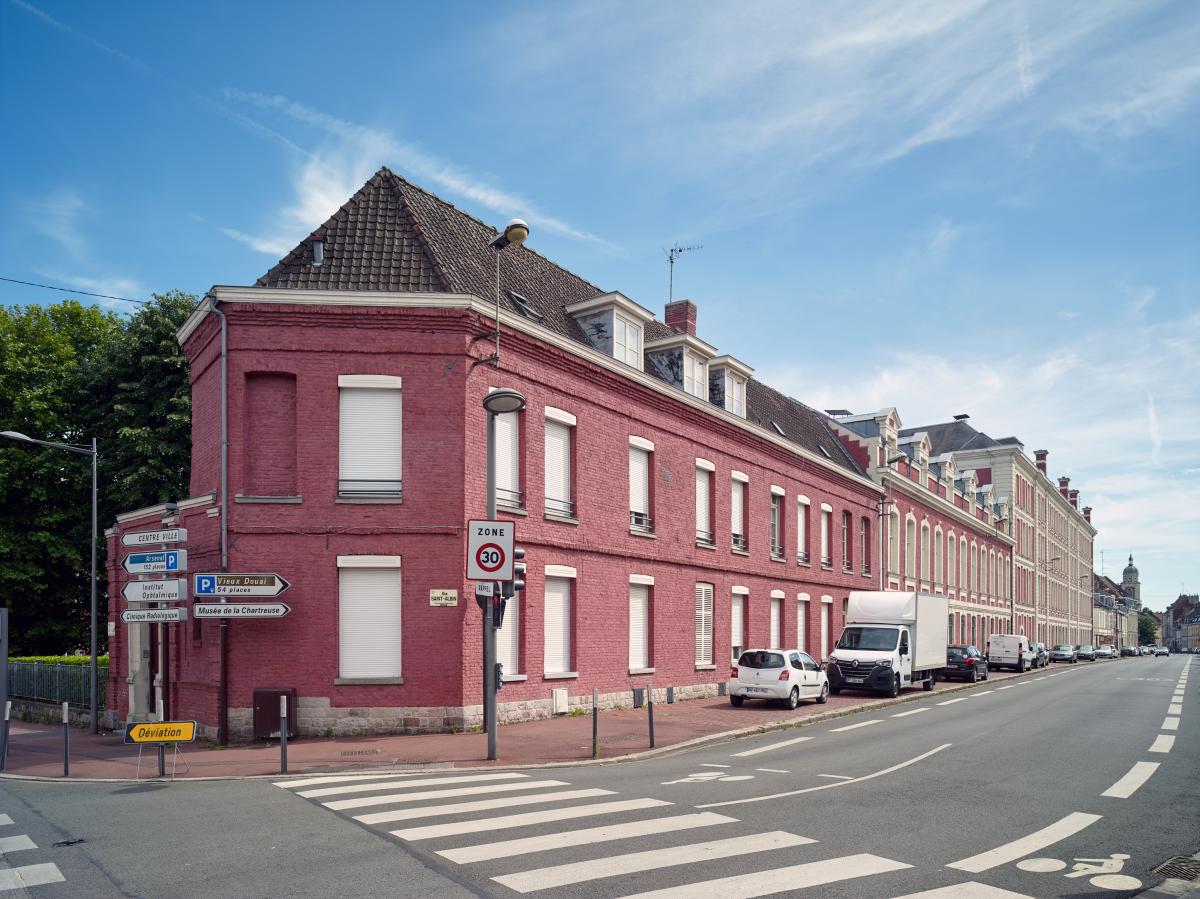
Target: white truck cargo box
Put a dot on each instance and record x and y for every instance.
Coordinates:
(926, 614)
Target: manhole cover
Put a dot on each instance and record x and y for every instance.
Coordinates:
(1181, 867)
(358, 753)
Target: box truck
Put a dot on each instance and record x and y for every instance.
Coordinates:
(892, 639)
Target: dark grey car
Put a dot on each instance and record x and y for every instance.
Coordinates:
(1064, 652)
(1085, 651)
(1041, 655)
(965, 663)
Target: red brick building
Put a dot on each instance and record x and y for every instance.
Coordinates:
(673, 508)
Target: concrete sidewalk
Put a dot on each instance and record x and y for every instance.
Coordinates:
(37, 750)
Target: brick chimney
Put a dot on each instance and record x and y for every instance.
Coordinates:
(681, 315)
(1063, 483)
(1074, 497)
(1087, 514)
(1040, 458)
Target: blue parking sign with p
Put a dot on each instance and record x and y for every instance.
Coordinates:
(206, 585)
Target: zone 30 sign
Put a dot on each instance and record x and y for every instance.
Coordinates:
(490, 550)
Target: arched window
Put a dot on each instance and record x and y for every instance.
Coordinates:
(951, 561)
(894, 542)
(925, 548)
(974, 581)
(963, 583)
(910, 548)
(937, 556)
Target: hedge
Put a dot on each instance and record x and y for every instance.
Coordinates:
(61, 660)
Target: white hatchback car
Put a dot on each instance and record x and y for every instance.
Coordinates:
(785, 674)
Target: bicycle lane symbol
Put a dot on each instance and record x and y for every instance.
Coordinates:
(1105, 872)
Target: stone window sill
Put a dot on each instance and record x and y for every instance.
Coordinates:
(509, 678)
(641, 670)
(561, 519)
(366, 681)
(775, 558)
(244, 498)
(560, 675)
(741, 552)
(700, 545)
(706, 667)
(646, 534)
(380, 500)
(512, 510)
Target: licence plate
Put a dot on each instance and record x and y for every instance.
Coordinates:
(756, 689)
(856, 680)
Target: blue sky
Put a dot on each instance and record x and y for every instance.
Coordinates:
(947, 207)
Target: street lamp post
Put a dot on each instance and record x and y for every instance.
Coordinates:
(85, 451)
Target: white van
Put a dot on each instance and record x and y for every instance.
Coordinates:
(1009, 651)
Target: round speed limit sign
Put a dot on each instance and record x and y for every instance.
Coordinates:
(490, 550)
(489, 557)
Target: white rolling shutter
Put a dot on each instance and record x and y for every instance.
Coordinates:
(369, 622)
(738, 508)
(508, 460)
(776, 613)
(737, 635)
(639, 626)
(825, 521)
(802, 625)
(639, 481)
(704, 609)
(557, 626)
(825, 630)
(508, 638)
(369, 436)
(558, 469)
(703, 503)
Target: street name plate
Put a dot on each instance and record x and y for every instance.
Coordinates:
(155, 591)
(240, 610)
(154, 616)
(154, 538)
(161, 732)
(443, 597)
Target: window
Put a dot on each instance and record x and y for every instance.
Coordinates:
(777, 618)
(802, 621)
(508, 638)
(826, 606)
(937, 556)
(974, 568)
(368, 617)
(737, 513)
(963, 583)
(737, 624)
(627, 341)
(640, 519)
(735, 395)
(556, 616)
(847, 561)
(802, 529)
(695, 375)
(910, 548)
(951, 564)
(369, 432)
(826, 526)
(925, 548)
(864, 543)
(894, 542)
(704, 528)
(558, 464)
(704, 611)
(776, 524)
(508, 461)
(639, 626)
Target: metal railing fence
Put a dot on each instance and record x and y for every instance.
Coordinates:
(48, 682)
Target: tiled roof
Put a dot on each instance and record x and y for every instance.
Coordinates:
(952, 437)
(394, 236)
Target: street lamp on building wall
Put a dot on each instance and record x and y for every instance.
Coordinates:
(84, 451)
(514, 233)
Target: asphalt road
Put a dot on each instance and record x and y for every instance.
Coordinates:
(1002, 786)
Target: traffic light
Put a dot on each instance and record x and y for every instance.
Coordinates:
(517, 584)
(499, 676)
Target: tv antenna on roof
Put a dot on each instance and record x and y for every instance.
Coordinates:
(672, 254)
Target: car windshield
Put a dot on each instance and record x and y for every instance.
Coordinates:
(1063, 648)
(956, 652)
(1086, 647)
(756, 658)
(876, 638)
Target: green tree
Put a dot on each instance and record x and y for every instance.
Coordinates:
(1147, 630)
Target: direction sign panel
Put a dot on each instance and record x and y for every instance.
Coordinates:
(238, 584)
(154, 538)
(154, 616)
(155, 563)
(240, 610)
(161, 732)
(490, 550)
(155, 591)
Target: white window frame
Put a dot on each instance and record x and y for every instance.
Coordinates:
(826, 527)
(560, 477)
(735, 395)
(704, 625)
(560, 575)
(802, 512)
(802, 607)
(640, 605)
(776, 619)
(372, 471)
(739, 494)
(378, 625)
(627, 340)
(737, 622)
(641, 467)
(695, 375)
(705, 534)
(508, 461)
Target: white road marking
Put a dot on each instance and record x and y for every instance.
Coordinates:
(779, 880)
(952, 701)
(634, 862)
(4, 819)
(713, 765)
(770, 746)
(836, 776)
(458, 808)
(1175, 709)
(421, 782)
(1128, 785)
(1163, 743)
(840, 783)
(342, 804)
(1043, 677)
(1170, 724)
(771, 770)
(1007, 686)
(337, 778)
(30, 876)
(479, 825)
(969, 890)
(509, 848)
(838, 730)
(983, 692)
(1039, 839)
(15, 844)
(913, 712)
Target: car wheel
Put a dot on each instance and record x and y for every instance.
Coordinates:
(986, 672)
(895, 689)
(823, 696)
(793, 699)
(736, 700)
(974, 675)
(928, 685)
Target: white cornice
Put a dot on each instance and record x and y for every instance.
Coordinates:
(737, 366)
(691, 341)
(919, 494)
(159, 510)
(613, 300)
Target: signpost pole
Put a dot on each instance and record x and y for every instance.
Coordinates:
(650, 710)
(66, 740)
(7, 716)
(165, 635)
(95, 665)
(4, 703)
(283, 733)
(162, 756)
(489, 632)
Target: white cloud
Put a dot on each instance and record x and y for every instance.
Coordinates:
(1139, 297)
(58, 217)
(1067, 314)
(122, 288)
(943, 238)
(270, 246)
(1152, 429)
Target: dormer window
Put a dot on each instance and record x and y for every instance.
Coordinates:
(727, 381)
(735, 396)
(627, 340)
(695, 375)
(614, 325)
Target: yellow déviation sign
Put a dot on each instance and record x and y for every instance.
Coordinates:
(161, 732)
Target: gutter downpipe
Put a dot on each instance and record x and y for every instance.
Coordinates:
(223, 640)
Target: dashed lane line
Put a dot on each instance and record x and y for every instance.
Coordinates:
(772, 770)
(712, 765)
(771, 746)
(1163, 743)
(913, 712)
(30, 876)
(1129, 784)
(952, 701)
(836, 776)
(1170, 724)
(838, 730)
(1027, 845)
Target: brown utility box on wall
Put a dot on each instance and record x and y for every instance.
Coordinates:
(266, 713)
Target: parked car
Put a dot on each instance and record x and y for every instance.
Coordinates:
(1085, 651)
(1064, 652)
(1162, 651)
(1041, 655)
(1105, 652)
(1129, 651)
(784, 674)
(1147, 650)
(1009, 651)
(966, 663)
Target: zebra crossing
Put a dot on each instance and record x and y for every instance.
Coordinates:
(21, 877)
(544, 834)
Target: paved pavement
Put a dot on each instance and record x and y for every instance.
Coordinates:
(1073, 782)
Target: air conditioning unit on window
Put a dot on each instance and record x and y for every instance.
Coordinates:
(558, 699)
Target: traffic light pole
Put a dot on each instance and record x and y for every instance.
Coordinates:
(489, 630)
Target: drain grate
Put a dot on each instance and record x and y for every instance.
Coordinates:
(358, 753)
(1181, 867)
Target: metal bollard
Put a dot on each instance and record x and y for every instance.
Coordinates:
(595, 727)
(162, 748)
(650, 711)
(283, 734)
(66, 740)
(4, 748)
